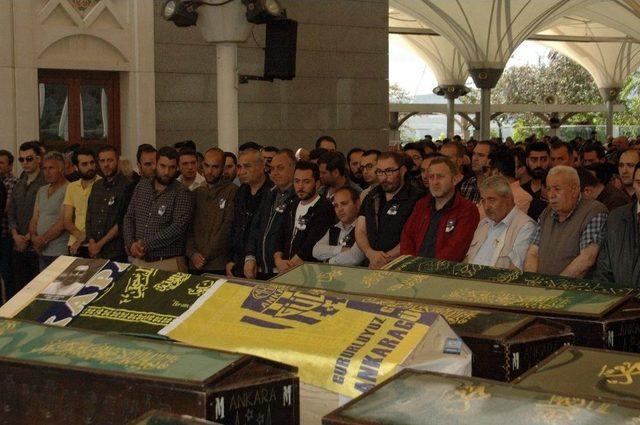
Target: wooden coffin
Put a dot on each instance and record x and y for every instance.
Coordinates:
(446, 268)
(611, 376)
(425, 398)
(598, 320)
(52, 375)
(156, 417)
(343, 346)
(504, 344)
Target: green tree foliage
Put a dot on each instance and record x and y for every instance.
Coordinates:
(569, 82)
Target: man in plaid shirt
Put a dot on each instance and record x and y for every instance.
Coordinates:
(571, 228)
(6, 241)
(158, 217)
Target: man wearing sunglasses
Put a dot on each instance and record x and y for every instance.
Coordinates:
(23, 198)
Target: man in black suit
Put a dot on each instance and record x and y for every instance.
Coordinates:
(306, 220)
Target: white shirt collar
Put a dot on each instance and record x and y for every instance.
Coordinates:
(506, 220)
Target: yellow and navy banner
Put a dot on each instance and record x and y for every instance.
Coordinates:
(344, 346)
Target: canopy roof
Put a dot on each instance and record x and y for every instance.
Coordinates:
(453, 36)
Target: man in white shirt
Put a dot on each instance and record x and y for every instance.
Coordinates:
(502, 237)
(338, 245)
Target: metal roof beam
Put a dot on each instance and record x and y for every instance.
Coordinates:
(535, 37)
(441, 108)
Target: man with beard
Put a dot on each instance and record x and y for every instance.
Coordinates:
(76, 200)
(468, 187)
(146, 157)
(626, 166)
(368, 163)
(267, 223)
(208, 240)
(385, 210)
(333, 174)
(353, 161)
(158, 217)
(442, 223)
(538, 155)
(254, 189)
(306, 219)
(230, 172)
(107, 205)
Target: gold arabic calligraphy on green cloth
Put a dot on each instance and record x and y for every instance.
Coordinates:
(440, 288)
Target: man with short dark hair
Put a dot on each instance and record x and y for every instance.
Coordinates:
(76, 200)
(259, 259)
(593, 153)
(24, 258)
(571, 228)
(338, 245)
(368, 163)
(107, 205)
(146, 157)
(254, 188)
(268, 152)
(502, 163)
(326, 142)
(562, 154)
(333, 174)
(595, 188)
(619, 258)
(538, 157)
(48, 235)
(468, 186)
(480, 159)
(443, 222)
(385, 210)
(6, 241)
(424, 167)
(188, 167)
(230, 172)
(209, 233)
(249, 146)
(353, 162)
(158, 217)
(306, 219)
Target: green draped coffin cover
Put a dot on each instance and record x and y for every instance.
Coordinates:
(601, 320)
(61, 376)
(424, 398)
(585, 372)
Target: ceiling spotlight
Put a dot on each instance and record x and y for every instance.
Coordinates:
(262, 11)
(181, 12)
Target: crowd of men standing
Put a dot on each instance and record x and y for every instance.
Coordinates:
(544, 205)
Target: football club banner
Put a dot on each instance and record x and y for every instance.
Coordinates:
(343, 345)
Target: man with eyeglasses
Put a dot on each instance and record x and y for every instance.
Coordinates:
(385, 210)
(23, 198)
(368, 162)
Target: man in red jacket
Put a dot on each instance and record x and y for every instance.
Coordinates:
(443, 222)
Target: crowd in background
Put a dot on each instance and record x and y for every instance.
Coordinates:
(547, 206)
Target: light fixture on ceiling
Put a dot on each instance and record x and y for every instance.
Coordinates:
(262, 11)
(181, 12)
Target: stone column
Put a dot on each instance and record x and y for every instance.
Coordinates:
(485, 79)
(451, 93)
(610, 96)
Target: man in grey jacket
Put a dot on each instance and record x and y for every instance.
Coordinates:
(619, 259)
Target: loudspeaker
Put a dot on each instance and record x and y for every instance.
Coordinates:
(280, 49)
